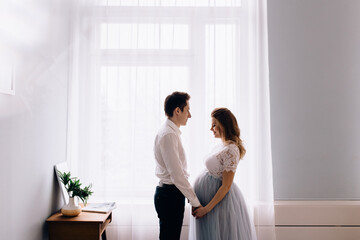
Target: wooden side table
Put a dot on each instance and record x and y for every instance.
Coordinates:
(86, 226)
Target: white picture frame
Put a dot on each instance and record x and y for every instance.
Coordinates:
(62, 167)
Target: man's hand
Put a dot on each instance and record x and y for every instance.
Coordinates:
(200, 212)
(193, 210)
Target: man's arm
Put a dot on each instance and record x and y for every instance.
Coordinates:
(169, 151)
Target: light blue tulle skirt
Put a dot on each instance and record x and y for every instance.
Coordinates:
(228, 220)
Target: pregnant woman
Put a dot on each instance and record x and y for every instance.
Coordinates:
(224, 215)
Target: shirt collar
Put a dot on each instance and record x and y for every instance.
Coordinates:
(173, 126)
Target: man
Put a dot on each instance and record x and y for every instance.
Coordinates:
(171, 168)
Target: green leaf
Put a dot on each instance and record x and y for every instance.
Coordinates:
(73, 186)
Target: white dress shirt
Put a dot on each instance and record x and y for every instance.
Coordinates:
(171, 165)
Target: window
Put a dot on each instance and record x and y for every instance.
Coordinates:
(142, 54)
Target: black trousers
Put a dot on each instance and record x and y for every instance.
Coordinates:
(169, 205)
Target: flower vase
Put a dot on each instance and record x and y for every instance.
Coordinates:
(71, 209)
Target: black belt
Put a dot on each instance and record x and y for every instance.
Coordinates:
(167, 185)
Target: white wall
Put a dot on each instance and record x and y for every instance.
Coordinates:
(314, 53)
(33, 121)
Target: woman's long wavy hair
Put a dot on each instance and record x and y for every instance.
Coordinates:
(229, 128)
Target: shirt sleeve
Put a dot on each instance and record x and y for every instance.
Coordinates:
(169, 150)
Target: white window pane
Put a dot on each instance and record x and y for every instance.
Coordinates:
(220, 63)
(168, 2)
(128, 35)
(128, 2)
(118, 36)
(113, 36)
(148, 37)
(132, 98)
(144, 36)
(149, 3)
(103, 36)
(174, 36)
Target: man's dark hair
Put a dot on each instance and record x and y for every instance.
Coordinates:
(174, 100)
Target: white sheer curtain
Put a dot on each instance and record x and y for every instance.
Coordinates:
(128, 55)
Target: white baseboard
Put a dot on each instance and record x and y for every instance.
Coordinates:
(317, 220)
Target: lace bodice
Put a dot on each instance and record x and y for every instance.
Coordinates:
(223, 158)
